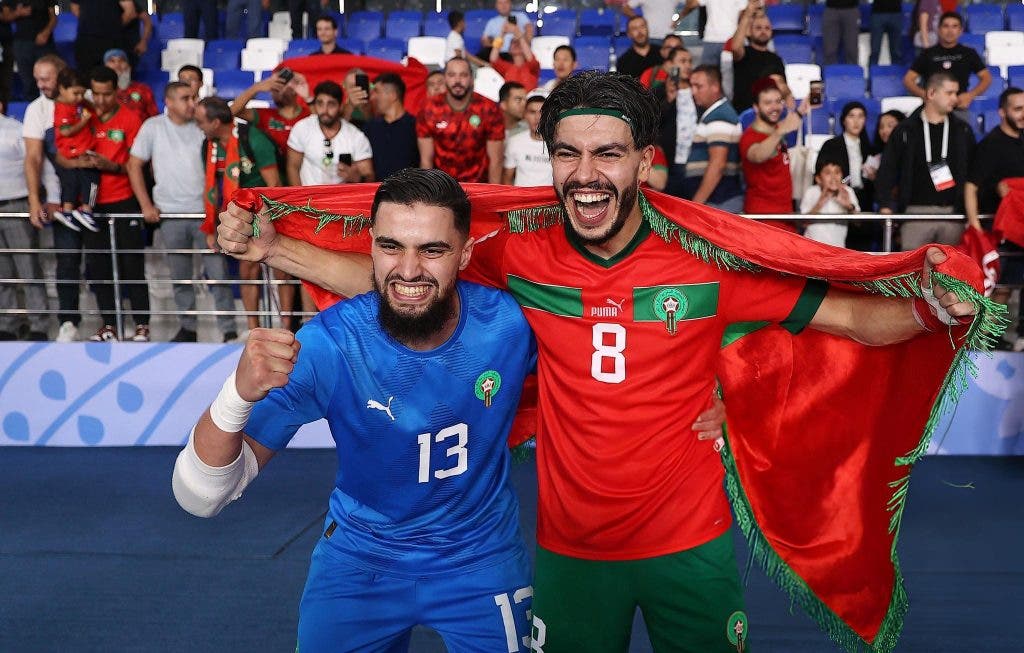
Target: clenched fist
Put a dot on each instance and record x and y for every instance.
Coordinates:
(267, 360)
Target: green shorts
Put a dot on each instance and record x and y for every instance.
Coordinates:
(691, 602)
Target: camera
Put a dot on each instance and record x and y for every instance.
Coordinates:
(363, 82)
(673, 73)
(512, 19)
(285, 75)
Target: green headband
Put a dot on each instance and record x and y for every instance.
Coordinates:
(594, 111)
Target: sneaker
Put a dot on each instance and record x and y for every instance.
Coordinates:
(65, 220)
(230, 336)
(1018, 344)
(85, 218)
(105, 334)
(37, 336)
(184, 335)
(68, 332)
(141, 333)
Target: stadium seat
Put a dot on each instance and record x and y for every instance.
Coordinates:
(301, 48)
(67, 27)
(403, 25)
(561, 22)
(799, 77)
(787, 18)
(887, 80)
(985, 103)
(984, 18)
(815, 12)
(476, 20)
(355, 46)
(990, 120)
(873, 107)
(819, 121)
(1015, 76)
(598, 22)
(180, 52)
(908, 104)
(592, 52)
(844, 80)
(1004, 39)
(262, 54)
(172, 26)
(436, 24)
(387, 49)
(1002, 55)
(793, 48)
(66, 50)
(231, 83)
(621, 43)
(365, 25)
(1015, 17)
(544, 49)
(975, 41)
(997, 85)
(280, 26)
(747, 118)
(223, 54)
(487, 82)
(16, 110)
(546, 75)
(428, 50)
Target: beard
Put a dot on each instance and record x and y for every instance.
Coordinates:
(407, 328)
(625, 207)
(459, 92)
(123, 80)
(764, 116)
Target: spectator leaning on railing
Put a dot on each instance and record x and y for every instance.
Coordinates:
(172, 143)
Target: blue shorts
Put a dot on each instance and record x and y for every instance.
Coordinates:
(347, 608)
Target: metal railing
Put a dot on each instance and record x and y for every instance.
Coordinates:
(270, 306)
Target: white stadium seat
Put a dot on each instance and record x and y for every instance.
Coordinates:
(799, 77)
(429, 50)
(487, 82)
(544, 49)
(908, 104)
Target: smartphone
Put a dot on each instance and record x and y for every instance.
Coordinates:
(673, 72)
(511, 19)
(285, 74)
(817, 95)
(345, 158)
(363, 82)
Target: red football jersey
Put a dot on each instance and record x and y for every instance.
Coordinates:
(769, 183)
(139, 98)
(277, 127)
(460, 137)
(628, 349)
(114, 138)
(71, 146)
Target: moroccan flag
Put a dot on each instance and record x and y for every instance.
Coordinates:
(822, 431)
(335, 66)
(1009, 220)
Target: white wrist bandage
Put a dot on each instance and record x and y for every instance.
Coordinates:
(941, 314)
(229, 411)
(203, 490)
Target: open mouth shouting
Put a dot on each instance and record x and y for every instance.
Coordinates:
(416, 293)
(590, 207)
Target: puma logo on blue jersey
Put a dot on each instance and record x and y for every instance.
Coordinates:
(376, 405)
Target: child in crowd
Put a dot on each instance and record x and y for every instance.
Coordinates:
(828, 196)
(74, 139)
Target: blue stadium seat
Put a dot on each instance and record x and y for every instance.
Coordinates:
(339, 18)
(153, 78)
(787, 18)
(984, 18)
(844, 80)
(820, 121)
(172, 26)
(592, 52)
(561, 22)
(355, 46)
(388, 49)
(985, 103)
(365, 25)
(598, 22)
(545, 76)
(436, 24)
(976, 41)
(67, 27)
(621, 44)
(997, 86)
(66, 50)
(793, 48)
(16, 110)
(887, 81)
(1016, 75)
(991, 120)
(403, 25)
(873, 106)
(814, 19)
(223, 54)
(301, 48)
(476, 20)
(230, 83)
(1015, 17)
(747, 118)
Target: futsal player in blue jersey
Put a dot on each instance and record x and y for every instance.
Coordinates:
(419, 381)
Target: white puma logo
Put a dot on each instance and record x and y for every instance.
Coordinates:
(617, 304)
(376, 405)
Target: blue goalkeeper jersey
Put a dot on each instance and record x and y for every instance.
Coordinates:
(423, 464)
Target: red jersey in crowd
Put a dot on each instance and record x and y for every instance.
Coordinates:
(74, 146)
(277, 127)
(615, 399)
(460, 137)
(527, 74)
(139, 98)
(114, 138)
(769, 183)
(653, 77)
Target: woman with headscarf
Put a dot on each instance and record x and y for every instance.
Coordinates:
(850, 150)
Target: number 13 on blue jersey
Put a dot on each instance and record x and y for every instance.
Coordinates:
(457, 451)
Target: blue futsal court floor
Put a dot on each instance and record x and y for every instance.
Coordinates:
(95, 555)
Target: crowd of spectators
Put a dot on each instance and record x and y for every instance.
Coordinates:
(116, 153)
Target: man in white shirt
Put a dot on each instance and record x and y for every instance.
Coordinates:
(174, 143)
(325, 148)
(17, 233)
(527, 161)
(39, 173)
(828, 196)
(504, 25)
(660, 15)
(723, 18)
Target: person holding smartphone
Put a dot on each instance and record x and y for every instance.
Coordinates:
(503, 27)
(324, 148)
